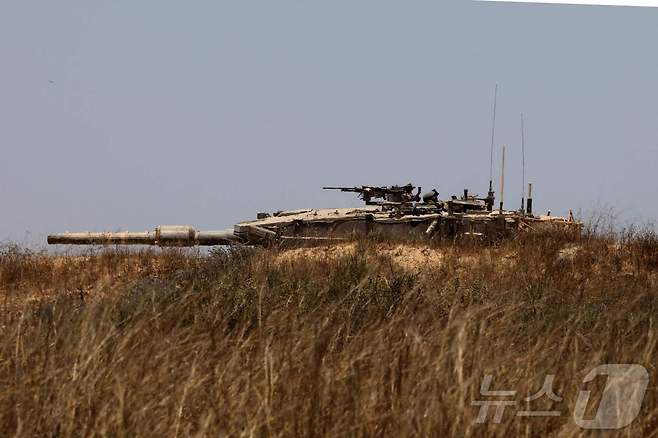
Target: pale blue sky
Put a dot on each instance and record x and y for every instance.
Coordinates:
(129, 114)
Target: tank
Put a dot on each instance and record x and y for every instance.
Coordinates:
(398, 211)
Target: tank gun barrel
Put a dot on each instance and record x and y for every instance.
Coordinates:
(123, 238)
(164, 235)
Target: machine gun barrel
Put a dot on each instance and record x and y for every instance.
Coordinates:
(164, 235)
(345, 189)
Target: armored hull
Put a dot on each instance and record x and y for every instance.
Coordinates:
(349, 223)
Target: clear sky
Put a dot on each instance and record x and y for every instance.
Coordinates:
(129, 114)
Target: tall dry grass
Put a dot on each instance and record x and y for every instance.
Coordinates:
(247, 342)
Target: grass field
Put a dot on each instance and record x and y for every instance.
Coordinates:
(362, 339)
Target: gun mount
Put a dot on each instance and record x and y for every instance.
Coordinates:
(389, 195)
(389, 211)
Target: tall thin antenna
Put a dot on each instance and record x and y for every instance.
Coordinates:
(502, 181)
(522, 164)
(493, 133)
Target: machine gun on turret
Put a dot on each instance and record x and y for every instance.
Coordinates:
(389, 195)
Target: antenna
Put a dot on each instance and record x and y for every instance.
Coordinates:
(490, 196)
(502, 181)
(522, 165)
(493, 132)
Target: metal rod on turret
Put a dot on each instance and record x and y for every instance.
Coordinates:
(502, 181)
(522, 164)
(493, 132)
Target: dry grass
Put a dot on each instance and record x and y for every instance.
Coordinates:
(367, 339)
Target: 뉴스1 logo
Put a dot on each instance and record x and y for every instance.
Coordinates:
(620, 402)
(622, 397)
